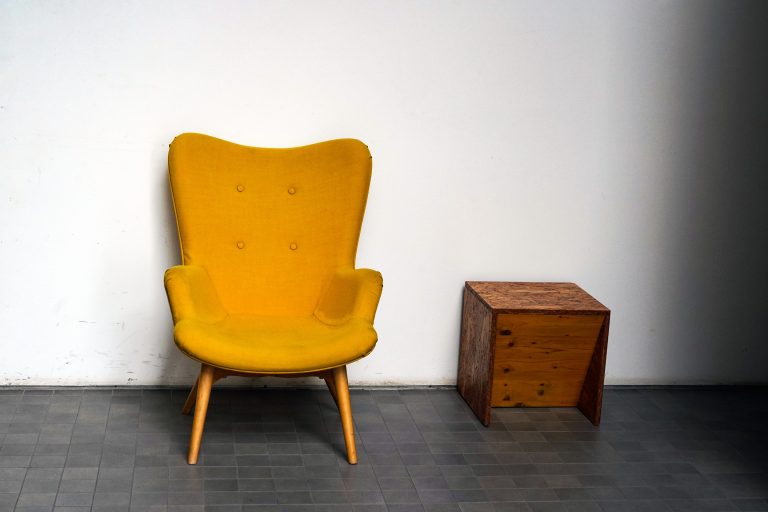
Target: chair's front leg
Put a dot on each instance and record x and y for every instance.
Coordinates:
(204, 383)
(345, 410)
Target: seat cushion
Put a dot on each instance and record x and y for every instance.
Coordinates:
(270, 344)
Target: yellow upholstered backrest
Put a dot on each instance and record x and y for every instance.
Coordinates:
(269, 225)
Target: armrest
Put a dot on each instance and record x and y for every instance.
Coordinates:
(191, 294)
(350, 294)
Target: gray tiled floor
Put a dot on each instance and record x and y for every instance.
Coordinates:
(689, 449)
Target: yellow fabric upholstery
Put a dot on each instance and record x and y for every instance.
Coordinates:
(350, 294)
(275, 344)
(191, 294)
(268, 237)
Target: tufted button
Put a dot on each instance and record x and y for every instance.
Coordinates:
(240, 244)
(291, 190)
(240, 188)
(293, 247)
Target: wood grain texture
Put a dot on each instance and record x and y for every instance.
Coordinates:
(542, 360)
(189, 403)
(204, 383)
(476, 356)
(591, 398)
(529, 297)
(341, 388)
(331, 387)
(532, 344)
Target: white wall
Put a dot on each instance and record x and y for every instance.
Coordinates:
(619, 145)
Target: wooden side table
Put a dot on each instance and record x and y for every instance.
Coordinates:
(532, 345)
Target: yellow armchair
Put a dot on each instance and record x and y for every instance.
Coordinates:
(267, 284)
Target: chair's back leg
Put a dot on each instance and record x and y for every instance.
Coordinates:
(331, 386)
(191, 398)
(204, 383)
(345, 409)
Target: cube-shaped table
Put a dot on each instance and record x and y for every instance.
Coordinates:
(532, 345)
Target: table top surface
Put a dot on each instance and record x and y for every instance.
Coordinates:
(509, 297)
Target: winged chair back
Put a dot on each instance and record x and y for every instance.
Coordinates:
(270, 226)
(268, 284)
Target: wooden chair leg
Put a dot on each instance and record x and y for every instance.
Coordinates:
(191, 398)
(204, 383)
(345, 410)
(331, 387)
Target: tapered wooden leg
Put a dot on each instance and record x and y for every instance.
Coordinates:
(204, 383)
(191, 398)
(331, 387)
(345, 409)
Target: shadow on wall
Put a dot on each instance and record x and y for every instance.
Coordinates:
(718, 224)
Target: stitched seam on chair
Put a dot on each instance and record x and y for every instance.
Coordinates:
(327, 321)
(365, 205)
(175, 213)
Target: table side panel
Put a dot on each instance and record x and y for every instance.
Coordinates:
(542, 360)
(476, 356)
(591, 399)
